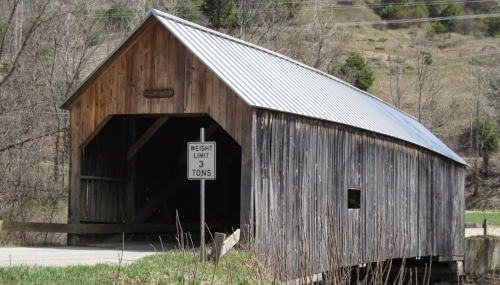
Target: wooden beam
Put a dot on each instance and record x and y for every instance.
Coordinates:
(95, 132)
(217, 246)
(122, 180)
(230, 242)
(86, 228)
(123, 228)
(37, 227)
(145, 137)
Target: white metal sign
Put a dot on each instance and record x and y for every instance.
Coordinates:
(201, 160)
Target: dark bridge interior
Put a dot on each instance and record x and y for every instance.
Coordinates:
(121, 183)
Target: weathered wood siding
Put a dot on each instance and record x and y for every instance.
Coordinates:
(152, 58)
(411, 198)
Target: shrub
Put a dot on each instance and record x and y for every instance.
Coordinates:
(402, 12)
(450, 10)
(492, 25)
(428, 60)
(419, 12)
(393, 13)
(438, 28)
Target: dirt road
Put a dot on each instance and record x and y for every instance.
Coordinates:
(64, 256)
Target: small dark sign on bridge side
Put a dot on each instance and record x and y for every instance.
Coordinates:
(158, 92)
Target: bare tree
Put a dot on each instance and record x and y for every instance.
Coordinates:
(14, 34)
(318, 43)
(400, 88)
(428, 81)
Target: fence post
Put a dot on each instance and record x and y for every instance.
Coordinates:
(485, 226)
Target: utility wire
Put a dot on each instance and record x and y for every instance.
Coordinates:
(417, 20)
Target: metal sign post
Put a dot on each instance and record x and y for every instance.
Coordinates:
(201, 166)
(202, 207)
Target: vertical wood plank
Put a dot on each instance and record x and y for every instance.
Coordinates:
(172, 54)
(122, 85)
(145, 72)
(247, 178)
(230, 111)
(209, 92)
(180, 77)
(195, 91)
(222, 104)
(215, 97)
(238, 121)
(151, 69)
(188, 83)
(202, 87)
(163, 68)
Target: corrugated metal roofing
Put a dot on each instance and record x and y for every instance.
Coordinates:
(266, 79)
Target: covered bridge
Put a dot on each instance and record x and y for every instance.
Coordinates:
(305, 161)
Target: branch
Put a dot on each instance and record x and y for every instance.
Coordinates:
(26, 141)
(33, 27)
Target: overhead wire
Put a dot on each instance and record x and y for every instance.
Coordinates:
(418, 20)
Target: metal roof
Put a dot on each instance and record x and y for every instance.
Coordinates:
(265, 79)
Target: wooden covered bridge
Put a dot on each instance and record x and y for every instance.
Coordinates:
(302, 156)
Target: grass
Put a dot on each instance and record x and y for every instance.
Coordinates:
(172, 267)
(478, 218)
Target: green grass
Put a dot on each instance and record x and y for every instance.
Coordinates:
(173, 267)
(478, 218)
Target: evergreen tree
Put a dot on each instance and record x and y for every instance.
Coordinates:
(356, 71)
(220, 13)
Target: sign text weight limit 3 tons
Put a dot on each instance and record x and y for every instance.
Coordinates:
(201, 160)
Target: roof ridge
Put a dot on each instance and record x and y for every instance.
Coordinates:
(157, 13)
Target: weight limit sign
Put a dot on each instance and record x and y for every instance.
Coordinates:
(201, 160)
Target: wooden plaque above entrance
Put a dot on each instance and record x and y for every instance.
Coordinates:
(158, 92)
